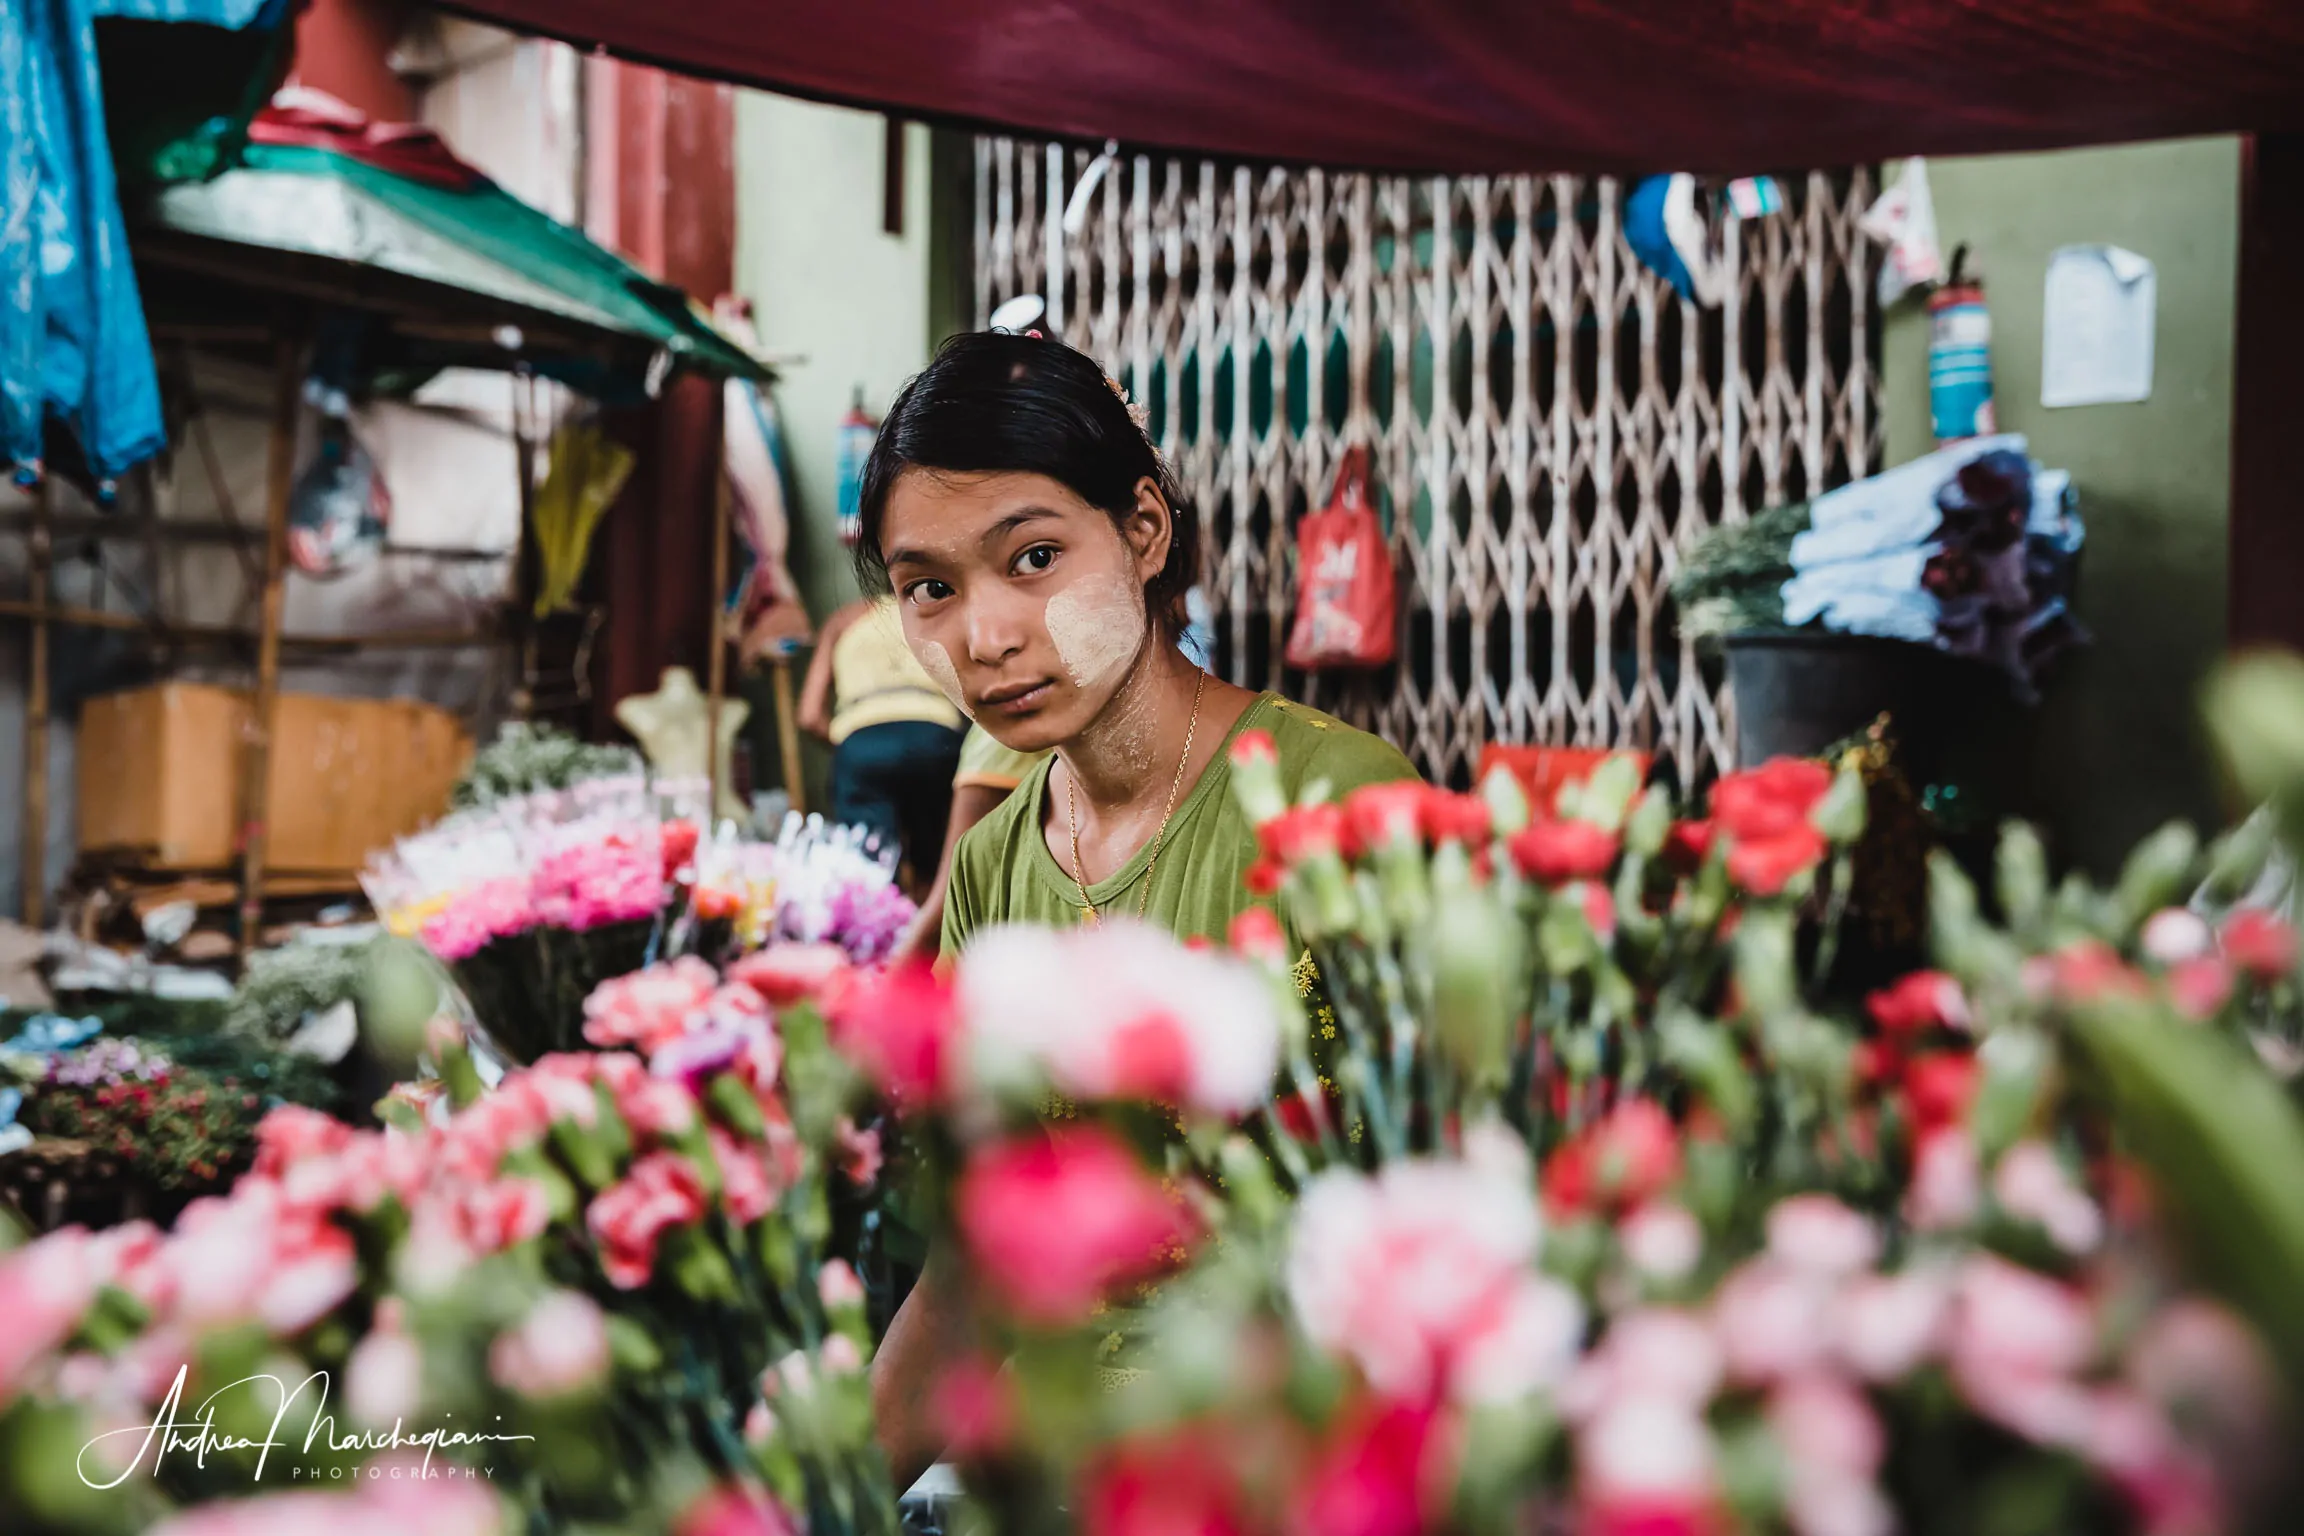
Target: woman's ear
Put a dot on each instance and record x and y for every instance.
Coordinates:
(1150, 528)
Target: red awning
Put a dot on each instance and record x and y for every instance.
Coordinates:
(1494, 85)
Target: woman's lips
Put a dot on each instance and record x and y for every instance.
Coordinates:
(1016, 702)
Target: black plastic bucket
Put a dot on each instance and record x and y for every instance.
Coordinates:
(1798, 692)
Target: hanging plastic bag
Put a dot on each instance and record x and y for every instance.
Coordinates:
(1348, 601)
(340, 507)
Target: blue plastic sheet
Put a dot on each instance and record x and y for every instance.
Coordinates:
(72, 337)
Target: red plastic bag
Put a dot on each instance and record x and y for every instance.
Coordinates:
(1346, 605)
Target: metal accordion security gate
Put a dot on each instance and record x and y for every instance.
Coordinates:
(1549, 423)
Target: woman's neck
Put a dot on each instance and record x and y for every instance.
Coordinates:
(1128, 753)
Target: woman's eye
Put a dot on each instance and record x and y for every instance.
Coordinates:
(926, 592)
(1038, 558)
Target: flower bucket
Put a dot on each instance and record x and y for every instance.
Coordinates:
(1798, 692)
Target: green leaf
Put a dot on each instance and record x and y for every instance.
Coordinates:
(2022, 867)
(2225, 1145)
(2158, 871)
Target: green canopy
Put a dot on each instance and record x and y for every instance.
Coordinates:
(469, 275)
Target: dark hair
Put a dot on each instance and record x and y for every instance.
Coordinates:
(993, 401)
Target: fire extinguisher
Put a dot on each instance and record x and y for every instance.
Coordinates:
(1960, 357)
(858, 431)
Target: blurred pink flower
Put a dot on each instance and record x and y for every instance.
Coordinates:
(2200, 988)
(1920, 1001)
(1119, 1011)
(897, 1025)
(559, 1348)
(1767, 1315)
(784, 974)
(838, 1288)
(648, 1009)
(1947, 1185)
(2260, 944)
(1661, 1240)
(384, 1378)
(859, 1152)
(731, 1511)
(618, 879)
(1645, 1464)
(437, 1506)
(660, 1192)
(1383, 1472)
(1653, 1354)
(45, 1289)
(1053, 1220)
(1175, 1483)
(505, 1212)
(1886, 1326)
(2032, 1185)
(474, 918)
(746, 1189)
(1818, 1234)
(1424, 1277)
(2173, 935)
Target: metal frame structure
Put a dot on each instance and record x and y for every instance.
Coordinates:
(1549, 423)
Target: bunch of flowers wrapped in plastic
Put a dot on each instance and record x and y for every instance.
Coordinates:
(1584, 1208)
(602, 1286)
(534, 900)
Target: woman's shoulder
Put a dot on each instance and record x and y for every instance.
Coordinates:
(996, 832)
(1312, 744)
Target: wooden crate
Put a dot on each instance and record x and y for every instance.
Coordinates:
(160, 776)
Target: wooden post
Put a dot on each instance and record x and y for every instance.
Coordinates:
(716, 663)
(256, 776)
(527, 554)
(788, 731)
(33, 858)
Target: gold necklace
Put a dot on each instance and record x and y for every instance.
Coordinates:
(1072, 811)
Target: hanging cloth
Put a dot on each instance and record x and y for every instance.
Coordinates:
(587, 472)
(72, 337)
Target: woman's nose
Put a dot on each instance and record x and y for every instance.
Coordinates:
(996, 631)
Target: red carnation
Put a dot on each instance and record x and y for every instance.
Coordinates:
(1385, 815)
(1629, 1157)
(2260, 944)
(897, 1025)
(679, 846)
(1770, 800)
(1256, 933)
(1556, 852)
(1379, 1475)
(1055, 1220)
(1303, 833)
(1451, 818)
(1172, 1484)
(1938, 1088)
(1688, 845)
(1254, 747)
(1764, 866)
(1922, 1000)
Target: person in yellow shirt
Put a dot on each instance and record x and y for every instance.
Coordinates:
(895, 736)
(988, 773)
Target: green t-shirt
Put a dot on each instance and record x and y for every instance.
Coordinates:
(1002, 872)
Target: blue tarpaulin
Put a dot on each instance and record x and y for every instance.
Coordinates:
(72, 338)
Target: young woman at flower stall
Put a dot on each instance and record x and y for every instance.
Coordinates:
(1040, 553)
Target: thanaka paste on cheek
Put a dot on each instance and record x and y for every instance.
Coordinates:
(1097, 627)
(937, 663)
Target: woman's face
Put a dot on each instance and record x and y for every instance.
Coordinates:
(1024, 602)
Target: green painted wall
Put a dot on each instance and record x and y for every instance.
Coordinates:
(2117, 752)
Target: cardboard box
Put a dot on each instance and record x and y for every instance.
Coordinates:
(160, 776)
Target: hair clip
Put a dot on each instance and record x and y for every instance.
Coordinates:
(1035, 335)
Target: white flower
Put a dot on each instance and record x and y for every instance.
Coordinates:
(1645, 1450)
(1423, 1277)
(2174, 935)
(1119, 1010)
(560, 1347)
(1656, 1353)
(384, 1379)
(1661, 1240)
(1887, 1325)
(1819, 1234)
